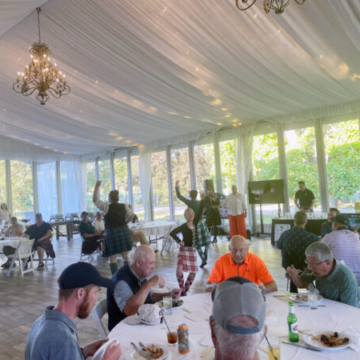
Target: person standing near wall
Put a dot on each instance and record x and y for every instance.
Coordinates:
(304, 198)
(235, 202)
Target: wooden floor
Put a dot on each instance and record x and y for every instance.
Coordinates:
(23, 299)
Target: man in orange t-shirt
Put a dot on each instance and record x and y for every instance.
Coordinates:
(239, 262)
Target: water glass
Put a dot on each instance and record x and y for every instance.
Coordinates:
(313, 299)
(167, 301)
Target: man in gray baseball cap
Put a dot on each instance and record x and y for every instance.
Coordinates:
(238, 319)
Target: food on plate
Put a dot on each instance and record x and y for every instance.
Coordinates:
(300, 297)
(176, 303)
(155, 351)
(331, 339)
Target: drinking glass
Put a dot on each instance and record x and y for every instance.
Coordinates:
(172, 337)
(313, 299)
(167, 301)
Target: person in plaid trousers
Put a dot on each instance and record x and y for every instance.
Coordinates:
(187, 258)
(203, 234)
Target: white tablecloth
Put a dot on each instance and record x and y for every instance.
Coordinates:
(334, 317)
(156, 228)
(14, 242)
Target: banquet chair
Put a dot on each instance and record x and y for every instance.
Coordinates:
(97, 314)
(24, 251)
(47, 258)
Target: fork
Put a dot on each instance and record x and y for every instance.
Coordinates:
(271, 348)
(311, 335)
(141, 352)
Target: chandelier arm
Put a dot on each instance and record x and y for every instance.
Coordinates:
(244, 2)
(300, 2)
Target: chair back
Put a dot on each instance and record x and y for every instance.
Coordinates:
(97, 314)
(56, 217)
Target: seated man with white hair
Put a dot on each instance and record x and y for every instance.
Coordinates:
(237, 323)
(132, 289)
(334, 280)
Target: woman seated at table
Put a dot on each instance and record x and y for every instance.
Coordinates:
(187, 258)
(16, 229)
(118, 239)
(4, 214)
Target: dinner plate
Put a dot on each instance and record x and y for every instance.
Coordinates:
(301, 300)
(160, 304)
(318, 345)
(133, 355)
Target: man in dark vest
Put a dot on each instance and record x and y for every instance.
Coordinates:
(131, 288)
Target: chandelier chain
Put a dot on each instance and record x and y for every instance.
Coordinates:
(38, 13)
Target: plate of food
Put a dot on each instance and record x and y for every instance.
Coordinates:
(303, 298)
(155, 352)
(177, 304)
(327, 341)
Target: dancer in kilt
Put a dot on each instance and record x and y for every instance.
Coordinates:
(187, 259)
(203, 235)
(118, 239)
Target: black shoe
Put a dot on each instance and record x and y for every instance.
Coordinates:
(205, 255)
(183, 293)
(41, 266)
(203, 264)
(25, 266)
(7, 265)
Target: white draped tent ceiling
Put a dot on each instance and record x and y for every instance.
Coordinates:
(143, 70)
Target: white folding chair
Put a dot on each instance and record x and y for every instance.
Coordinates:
(23, 251)
(97, 314)
(169, 244)
(48, 257)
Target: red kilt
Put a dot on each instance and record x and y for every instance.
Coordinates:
(187, 258)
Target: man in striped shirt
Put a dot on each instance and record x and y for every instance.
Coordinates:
(344, 244)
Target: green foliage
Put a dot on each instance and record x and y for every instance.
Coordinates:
(22, 187)
(228, 164)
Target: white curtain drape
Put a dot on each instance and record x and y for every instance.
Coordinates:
(47, 190)
(145, 179)
(72, 187)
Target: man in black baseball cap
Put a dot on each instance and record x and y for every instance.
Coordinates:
(53, 336)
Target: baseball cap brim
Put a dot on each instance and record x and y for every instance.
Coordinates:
(104, 282)
(133, 320)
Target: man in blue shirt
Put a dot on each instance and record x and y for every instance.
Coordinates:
(53, 336)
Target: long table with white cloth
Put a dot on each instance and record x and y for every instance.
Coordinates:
(196, 310)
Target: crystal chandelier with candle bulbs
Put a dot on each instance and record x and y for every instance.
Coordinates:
(278, 6)
(41, 75)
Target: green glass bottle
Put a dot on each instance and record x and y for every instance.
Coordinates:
(293, 324)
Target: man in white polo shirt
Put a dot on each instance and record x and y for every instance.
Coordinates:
(236, 205)
(344, 244)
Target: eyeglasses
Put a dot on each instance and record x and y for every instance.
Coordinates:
(307, 263)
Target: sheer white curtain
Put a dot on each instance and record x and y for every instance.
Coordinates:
(243, 156)
(145, 179)
(72, 187)
(47, 191)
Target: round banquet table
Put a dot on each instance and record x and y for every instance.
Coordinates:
(333, 317)
(157, 228)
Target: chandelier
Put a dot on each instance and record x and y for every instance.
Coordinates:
(41, 75)
(278, 6)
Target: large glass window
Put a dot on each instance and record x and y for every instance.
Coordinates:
(105, 177)
(70, 174)
(121, 177)
(228, 165)
(47, 189)
(180, 171)
(135, 177)
(266, 167)
(302, 163)
(22, 187)
(342, 150)
(90, 183)
(204, 164)
(160, 188)
(3, 198)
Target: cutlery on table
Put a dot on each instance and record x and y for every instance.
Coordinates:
(299, 345)
(141, 352)
(271, 348)
(313, 337)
